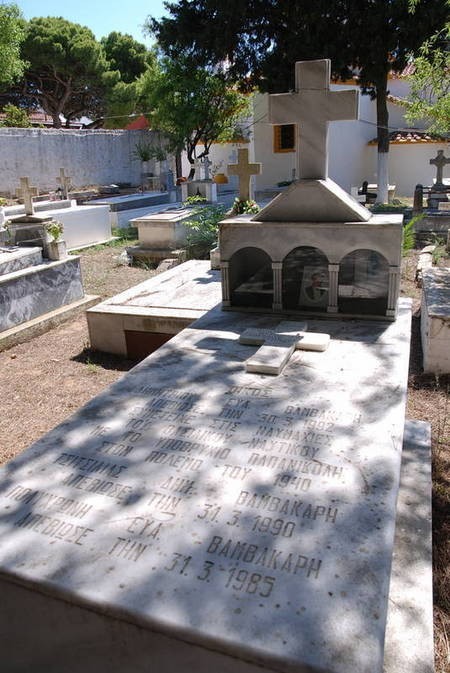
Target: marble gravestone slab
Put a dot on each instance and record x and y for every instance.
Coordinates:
(229, 514)
(163, 304)
(33, 291)
(15, 258)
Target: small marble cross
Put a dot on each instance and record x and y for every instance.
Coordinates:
(312, 106)
(26, 192)
(64, 181)
(244, 170)
(440, 161)
(278, 345)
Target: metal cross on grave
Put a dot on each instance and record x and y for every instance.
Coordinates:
(26, 192)
(312, 106)
(278, 345)
(244, 170)
(440, 161)
(64, 181)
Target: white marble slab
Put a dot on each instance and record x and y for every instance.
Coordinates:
(31, 292)
(435, 320)
(15, 258)
(225, 513)
(163, 304)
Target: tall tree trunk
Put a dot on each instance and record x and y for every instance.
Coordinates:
(57, 124)
(178, 166)
(383, 141)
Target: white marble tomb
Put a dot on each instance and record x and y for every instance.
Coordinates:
(314, 249)
(239, 521)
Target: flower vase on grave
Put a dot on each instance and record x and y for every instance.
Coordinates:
(220, 179)
(57, 250)
(55, 245)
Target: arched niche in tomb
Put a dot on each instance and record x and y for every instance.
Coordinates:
(363, 283)
(251, 278)
(305, 279)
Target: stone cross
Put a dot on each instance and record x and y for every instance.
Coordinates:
(278, 345)
(64, 181)
(244, 171)
(312, 106)
(207, 163)
(26, 192)
(440, 161)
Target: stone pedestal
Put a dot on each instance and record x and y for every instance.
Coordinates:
(30, 231)
(205, 188)
(161, 234)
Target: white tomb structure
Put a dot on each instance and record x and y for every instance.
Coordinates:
(200, 517)
(313, 249)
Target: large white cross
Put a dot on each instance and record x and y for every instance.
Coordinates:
(278, 345)
(244, 170)
(64, 181)
(312, 106)
(26, 192)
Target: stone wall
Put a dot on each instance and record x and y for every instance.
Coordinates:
(90, 157)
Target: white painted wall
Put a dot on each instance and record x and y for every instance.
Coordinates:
(409, 165)
(89, 156)
(351, 159)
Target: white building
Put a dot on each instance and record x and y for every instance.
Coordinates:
(352, 147)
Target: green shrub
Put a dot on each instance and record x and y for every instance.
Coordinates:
(240, 207)
(203, 230)
(194, 200)
(409, 236)
(397, 208)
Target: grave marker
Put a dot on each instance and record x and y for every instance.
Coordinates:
(26, 192)
(439, 161)
(65, 182)
(278, 345)
(244, 170)
(312, 106)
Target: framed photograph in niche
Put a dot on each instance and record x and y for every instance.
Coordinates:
(314, 287)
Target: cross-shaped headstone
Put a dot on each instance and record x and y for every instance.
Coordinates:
(312, 106)
(26, 192)
(440, 161)
(244, 171)
(278, 345)
(64, 181)
(207, 163)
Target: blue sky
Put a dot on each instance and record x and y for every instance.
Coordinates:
(101, 16)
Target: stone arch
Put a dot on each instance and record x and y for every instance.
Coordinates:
(305, 279)
(251, 278)
(363, 283)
